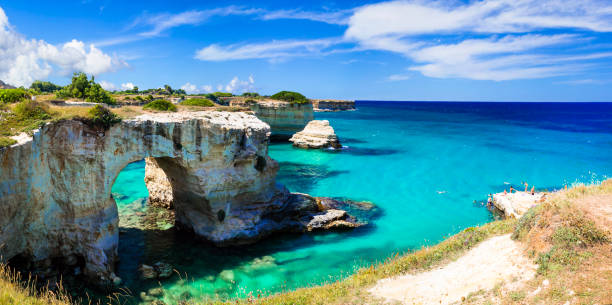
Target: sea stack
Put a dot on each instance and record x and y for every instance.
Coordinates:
(317, 134)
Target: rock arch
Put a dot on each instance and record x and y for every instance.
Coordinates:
(55, 186)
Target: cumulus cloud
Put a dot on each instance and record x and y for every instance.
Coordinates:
(108, 85)
(235, 85)
(24, 60)
(240, 86)
(127, 86)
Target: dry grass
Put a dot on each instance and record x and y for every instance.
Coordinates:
(15, 290)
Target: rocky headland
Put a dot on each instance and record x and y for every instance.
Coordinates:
(212, 168)
(325, 105)
(284, 118)
(317, 134)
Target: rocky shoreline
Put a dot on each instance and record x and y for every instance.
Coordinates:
(210, 168)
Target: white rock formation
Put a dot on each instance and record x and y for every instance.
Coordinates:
(317, 134)
(517, 203)
(212, 167)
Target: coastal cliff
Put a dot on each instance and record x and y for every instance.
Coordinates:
(284, 118)
(212, 167)
(323, 105)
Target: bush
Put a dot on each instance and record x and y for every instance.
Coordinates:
(32, 110)
(223, 94)
(202, 102)
(103, 117)
(160, 105)
(89, 90)
(45, 87)
(8, 96)
(250, 94)
(291, 97)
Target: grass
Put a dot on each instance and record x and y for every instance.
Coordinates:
(5, 141)
(15, 290)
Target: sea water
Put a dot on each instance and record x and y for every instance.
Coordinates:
(428, 167)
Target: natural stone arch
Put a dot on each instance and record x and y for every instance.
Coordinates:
(55, 187)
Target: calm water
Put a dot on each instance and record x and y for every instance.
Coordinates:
(423, 164)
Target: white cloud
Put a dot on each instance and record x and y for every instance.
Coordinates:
(398, 77)
(235, 85)
(275, 50)
(238, 86)
(502, 49)
(25, 60)
(127, 86)
(108, 85)
(491, 16)
(333, 17)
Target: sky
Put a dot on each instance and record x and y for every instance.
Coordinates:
(490, 50)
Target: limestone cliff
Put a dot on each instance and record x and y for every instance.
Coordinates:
(320, 105)
(284, 118)
(212, 167)
(317, 134)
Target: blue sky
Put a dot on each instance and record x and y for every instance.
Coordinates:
(494, 50)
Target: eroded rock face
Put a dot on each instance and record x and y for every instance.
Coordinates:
(55, 187)
(317, 134)
(332, 105)
(211, 168)
(284, 118)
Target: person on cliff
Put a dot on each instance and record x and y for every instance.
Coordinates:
(532, 190)
(511, 189)
(526, 186)
(489, 201)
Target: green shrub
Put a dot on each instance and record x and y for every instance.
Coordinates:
(103, 117)
(160, 105)
(45, 87)
(223, 94)
(8, 96)
(81, 87)
(291, 97)
(4, 142)
(250, 94)
(202, 102)
(32, 110)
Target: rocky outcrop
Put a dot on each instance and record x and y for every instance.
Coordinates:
(517, 203)
(211, 167)
(332, 105)
(4, 85)
(317, 134)
(284, 118)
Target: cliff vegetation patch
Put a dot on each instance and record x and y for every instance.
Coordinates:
(160, 105)
(200, 102)
(291, 97)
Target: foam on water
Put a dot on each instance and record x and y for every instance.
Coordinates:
(428, 166)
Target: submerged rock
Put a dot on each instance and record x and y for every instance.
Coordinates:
(163, 270)
(147, 272)
(317, 134)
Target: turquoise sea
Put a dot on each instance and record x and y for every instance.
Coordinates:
(427, 166)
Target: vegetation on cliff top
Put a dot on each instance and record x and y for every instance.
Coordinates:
(101, 116)
(160, 105)
(202, 102)
(290, 96)
(9, 96)
(89, 90)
